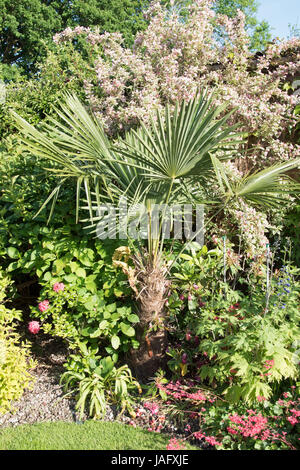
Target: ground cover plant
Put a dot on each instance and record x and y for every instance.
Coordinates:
(204, 336)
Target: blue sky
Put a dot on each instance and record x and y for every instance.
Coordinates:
(279, 13)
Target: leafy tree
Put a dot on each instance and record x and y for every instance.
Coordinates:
(124, 16)
(27, 28)
(24, 29)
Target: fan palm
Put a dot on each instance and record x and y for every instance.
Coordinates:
(174, 159)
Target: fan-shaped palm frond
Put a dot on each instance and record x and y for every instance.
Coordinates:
(176, 145)
(162, 163)
(269, 186)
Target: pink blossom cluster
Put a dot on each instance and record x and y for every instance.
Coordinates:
(172, 58)
(252, 227)
(211, 440)
(175, 444)
(153, 407)
(269, 364)
(179, 391)
(58, 286)
(34, 327)
(253, 425)
(44, 305)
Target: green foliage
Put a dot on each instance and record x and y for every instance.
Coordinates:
(207, 417)
(82, 317)
(15, 361)
(26, 29)
(64, 68)
(156, 164)
(33, 252)
(274, 430)
(291, 230)
(91, 307)
(237, 347)
(124, 16)
(98, 382)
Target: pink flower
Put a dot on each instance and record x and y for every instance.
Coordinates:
(132, 423)
(58, 286)
(292, 420)
(34, 327)
(153, 407)
(259, 398)
(43, 306)
(174, 444)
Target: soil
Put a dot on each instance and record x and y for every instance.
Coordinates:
(45, 401)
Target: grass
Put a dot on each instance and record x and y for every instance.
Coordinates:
(90, 435)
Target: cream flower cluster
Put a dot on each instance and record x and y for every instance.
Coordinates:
(173, 58)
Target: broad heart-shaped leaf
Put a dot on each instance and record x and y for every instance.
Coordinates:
(133, 318)
(13, 252)
(103, 324)
(127, 329)
(92, 363)
(59, 265)
(115, 341)
(80, 272)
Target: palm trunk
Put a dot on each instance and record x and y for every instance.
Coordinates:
(152, 335)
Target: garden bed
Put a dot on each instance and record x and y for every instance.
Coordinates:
(46, 402)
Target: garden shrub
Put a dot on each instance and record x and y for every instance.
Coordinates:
(221, 333)
(173, 57)
(15, 361)
(207, 417)
(63, 69)
(96, 292)
(99, 383)
(227, 337)
(169, 61)
(90, 307)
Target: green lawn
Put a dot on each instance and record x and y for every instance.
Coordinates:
(90, 435)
